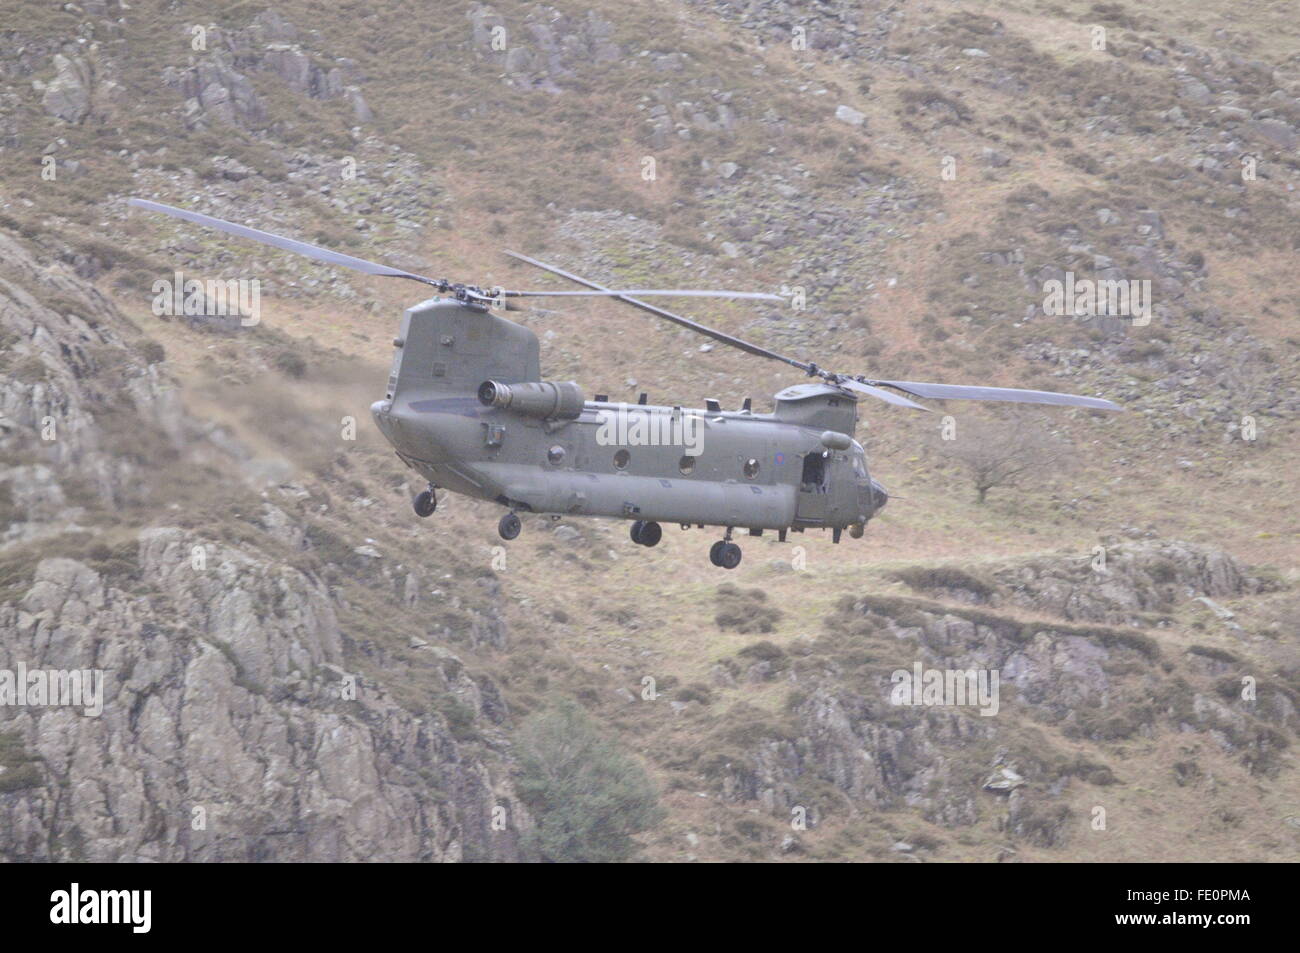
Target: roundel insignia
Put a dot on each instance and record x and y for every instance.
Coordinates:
(779, 459)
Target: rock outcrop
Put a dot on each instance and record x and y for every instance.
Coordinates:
(1121, 584)
(232, 725)
(548, 49)
(229, 730)
(1093, 683)
(67, 96)
(216, 86)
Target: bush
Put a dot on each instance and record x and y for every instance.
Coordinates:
(291, 364)
(153, 352)
(763, 652)
(587, 797)
(745, 610)
(695, 692)
(1218, 655)
(945, 577)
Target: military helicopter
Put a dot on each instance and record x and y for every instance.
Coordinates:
(466, 407)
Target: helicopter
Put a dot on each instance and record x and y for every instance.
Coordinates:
(466, 407)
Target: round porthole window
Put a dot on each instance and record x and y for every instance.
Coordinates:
(555, 456)
(751, 468)
(621, 459)
(686, 465)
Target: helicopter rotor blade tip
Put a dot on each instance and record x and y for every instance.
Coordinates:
(287, 244)
(1007, 394)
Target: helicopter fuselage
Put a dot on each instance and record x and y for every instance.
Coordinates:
(796, 468)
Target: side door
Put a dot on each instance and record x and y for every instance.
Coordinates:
(814, 486)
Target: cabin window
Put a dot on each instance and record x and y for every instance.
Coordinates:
(686, 465)
(555, 455)
(751, 468)
(621, 460)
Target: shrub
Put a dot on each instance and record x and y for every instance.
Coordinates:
(745, 610)
(763, 652)
(695, 692)
(1210, 652)
(153, 352)
(588, 797)
(945, 577)
(290, 363)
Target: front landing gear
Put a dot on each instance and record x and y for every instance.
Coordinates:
(724, 553)
(509, 526)
(647, 533)
(425, 503)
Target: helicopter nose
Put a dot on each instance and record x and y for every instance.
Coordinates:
(879, 496)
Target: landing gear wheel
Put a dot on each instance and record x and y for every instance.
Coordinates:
(425, 503)
(729, 556)
(715, 552)
(509, 526)
(650, 534)
(636, 531)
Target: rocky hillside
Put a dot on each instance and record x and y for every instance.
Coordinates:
(234, 725)
(296, 668)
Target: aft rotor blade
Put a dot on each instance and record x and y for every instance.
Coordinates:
(679, 293)
(288, 244)
(1014, 395)
(886, 396)
(728, 339)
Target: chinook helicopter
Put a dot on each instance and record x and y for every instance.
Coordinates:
(466, 407)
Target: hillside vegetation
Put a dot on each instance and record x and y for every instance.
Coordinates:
(921, 172)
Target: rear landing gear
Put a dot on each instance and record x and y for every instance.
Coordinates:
(724, 553)
(509, 526)
(425, 503)
(647, 533)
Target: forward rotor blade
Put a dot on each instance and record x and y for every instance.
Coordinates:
(886, 396)
(680, 293)
(872, 388)
(288, 244)
(728, 339)
(1014, 395)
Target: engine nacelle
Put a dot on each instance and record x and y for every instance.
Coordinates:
(546, 399)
